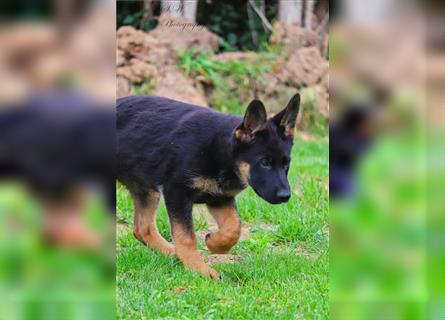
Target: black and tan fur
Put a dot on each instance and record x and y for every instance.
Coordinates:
(194, 155)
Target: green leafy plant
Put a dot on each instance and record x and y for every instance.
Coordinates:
(231, 82)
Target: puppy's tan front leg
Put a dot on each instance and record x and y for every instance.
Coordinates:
(229, 225)
(186, 250)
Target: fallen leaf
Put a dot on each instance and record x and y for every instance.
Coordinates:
(179, 289)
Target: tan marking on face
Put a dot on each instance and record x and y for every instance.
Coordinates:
(145, 229)
(243, 136)
(229, 231)
(244, 172)
(187, 252)
(207, 185)
(238, 134)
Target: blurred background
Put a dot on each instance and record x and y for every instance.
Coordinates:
(221, 53)
(387, 72)
(57, 75)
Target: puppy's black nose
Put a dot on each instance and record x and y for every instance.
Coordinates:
(283, 195)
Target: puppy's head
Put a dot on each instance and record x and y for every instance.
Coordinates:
(262, 149)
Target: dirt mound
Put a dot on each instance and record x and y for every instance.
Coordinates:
(149, 57)
(174, 85)
(293, 37)
(136, 71)
(135, 44)
(305, 66)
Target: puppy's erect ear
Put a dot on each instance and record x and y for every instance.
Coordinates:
(286, 119)
(255, 120)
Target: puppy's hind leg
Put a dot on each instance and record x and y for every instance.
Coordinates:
(145, 229)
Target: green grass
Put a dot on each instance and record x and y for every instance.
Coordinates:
(282, 271)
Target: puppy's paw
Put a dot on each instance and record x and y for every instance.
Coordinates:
(205, 270)
(217, 245)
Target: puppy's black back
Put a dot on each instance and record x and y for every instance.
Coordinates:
(162, 140)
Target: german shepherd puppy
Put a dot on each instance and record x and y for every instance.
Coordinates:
(195, 155)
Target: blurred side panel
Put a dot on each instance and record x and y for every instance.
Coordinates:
(435, 162)
(57, 131)
(386, 168)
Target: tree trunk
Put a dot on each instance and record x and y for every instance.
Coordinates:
(190, 9)
(290, 11)
(308, 13)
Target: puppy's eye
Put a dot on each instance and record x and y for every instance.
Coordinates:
(266, 163)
